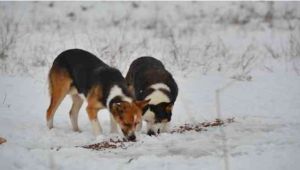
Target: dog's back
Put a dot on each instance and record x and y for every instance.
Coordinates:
(146, 71)
(78, 59)
(80, 65)
(145, 63)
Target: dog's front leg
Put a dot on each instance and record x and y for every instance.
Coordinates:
(113, 124)
(92, 112)
(150, 129)
(165, 127)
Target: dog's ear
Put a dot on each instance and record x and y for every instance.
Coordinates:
(142, 104)
(169, 108)
(117, 107)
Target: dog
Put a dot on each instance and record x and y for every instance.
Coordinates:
(148, 79)
(84, 76)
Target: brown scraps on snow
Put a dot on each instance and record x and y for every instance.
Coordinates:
(2, 140)
(117, 143)
(111, 144)
(202, 126)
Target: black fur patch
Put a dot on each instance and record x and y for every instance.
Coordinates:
(116, 99)
(87, 70)
(160, 112)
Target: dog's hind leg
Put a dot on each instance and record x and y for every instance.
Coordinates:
(59, 86)
(77, 103)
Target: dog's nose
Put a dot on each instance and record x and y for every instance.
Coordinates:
(132, 138)
(151, 132)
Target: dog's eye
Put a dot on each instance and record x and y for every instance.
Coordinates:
(127, 124)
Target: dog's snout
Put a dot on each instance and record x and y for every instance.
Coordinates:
(132, 138)
(151, 132)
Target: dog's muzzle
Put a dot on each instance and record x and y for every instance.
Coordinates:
(157, 128)
(130, 136)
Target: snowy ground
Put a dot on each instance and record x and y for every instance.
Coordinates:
(202, 43)
(265, 135)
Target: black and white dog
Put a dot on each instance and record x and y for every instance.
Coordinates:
(148, 79)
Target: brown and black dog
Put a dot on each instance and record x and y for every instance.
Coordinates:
(148, 79)
(76, 72)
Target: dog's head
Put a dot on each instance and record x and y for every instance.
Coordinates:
(157, 116)
(128, 116)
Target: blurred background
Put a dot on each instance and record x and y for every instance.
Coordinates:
(231, 38)
(229, 59)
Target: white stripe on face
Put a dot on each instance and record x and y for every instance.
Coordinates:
(134, 118)
(117, 91)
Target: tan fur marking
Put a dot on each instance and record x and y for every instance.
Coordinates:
(94, 97)
(73, 91)
(169, 108)
(92, 112)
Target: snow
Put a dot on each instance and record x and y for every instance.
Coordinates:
(264, 136)
(204, 45)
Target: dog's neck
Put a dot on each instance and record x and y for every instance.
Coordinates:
(159, 93)
(116, 95)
